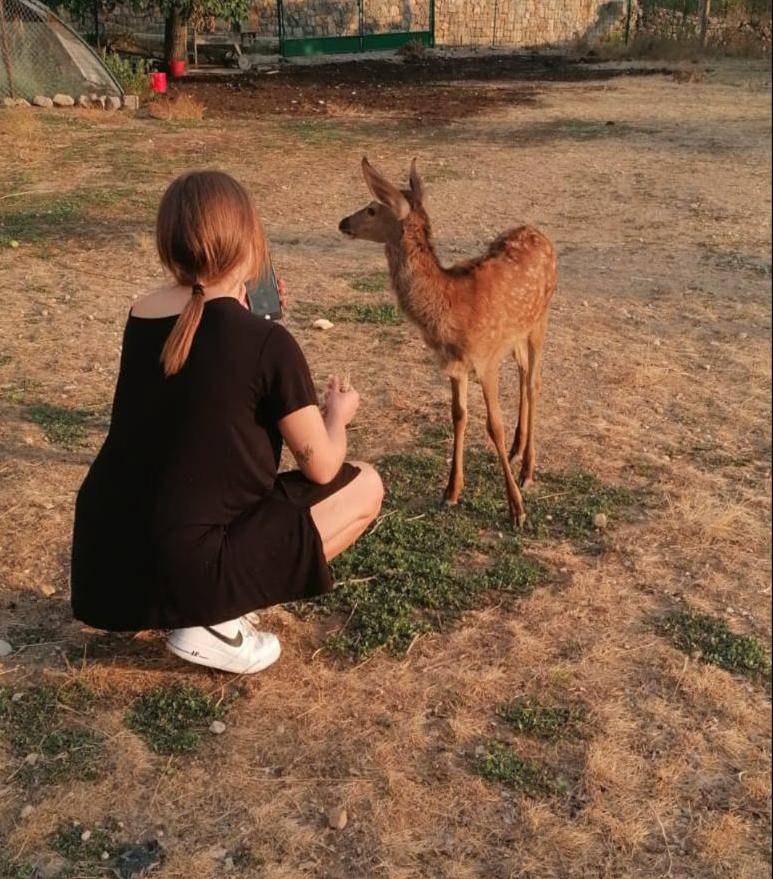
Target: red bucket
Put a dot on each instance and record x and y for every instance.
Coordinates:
(158, 83)
(177, 69)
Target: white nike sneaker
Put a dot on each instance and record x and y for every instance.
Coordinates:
(231, 646)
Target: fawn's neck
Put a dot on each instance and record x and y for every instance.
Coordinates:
(417, 277)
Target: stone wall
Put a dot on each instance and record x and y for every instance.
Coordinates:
(524, 22)
(457, 22)
(516, 23)
(741, 27)
(337, 18)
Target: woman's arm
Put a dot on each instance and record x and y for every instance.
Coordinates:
(319, 443)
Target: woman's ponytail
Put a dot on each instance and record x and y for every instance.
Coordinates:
(178, 343)
(207, 229)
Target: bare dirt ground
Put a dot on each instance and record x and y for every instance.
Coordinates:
(656, 380)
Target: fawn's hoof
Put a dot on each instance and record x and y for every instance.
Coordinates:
(526, 481)
(517, 518)
(449, 500)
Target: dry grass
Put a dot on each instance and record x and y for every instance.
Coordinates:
(181, 107)
(662, 226)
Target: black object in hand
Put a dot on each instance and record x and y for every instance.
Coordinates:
(263, 294)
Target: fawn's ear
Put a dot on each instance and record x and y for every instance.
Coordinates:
(417, 187)
(384, 192)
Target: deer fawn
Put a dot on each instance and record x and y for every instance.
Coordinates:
(472, 315)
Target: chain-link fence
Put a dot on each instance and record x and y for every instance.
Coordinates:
(41, 55)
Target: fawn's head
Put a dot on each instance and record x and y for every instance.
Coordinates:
(382, 220)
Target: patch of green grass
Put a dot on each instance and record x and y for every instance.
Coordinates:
(20, 392)
(710, 639)
(365, 313)
(564, 505)
(68, 841)
(513, 574)
(44, 215)
(19, 635)
(70, 121)
(423, 563)
(442, 174)
(44, 723)
(172, 719)
(498, 763)
(61, 426)
(413, 570)
(12, 869)
(317, 132)
(374, 282)
(530, 717)
(244, 857)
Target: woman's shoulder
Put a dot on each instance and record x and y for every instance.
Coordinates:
(280, 342)
(159, 302)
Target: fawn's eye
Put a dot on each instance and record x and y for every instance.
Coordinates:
(371, 212)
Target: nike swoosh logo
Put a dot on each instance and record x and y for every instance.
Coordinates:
(231, 642)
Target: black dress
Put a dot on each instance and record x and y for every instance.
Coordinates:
(182, 519)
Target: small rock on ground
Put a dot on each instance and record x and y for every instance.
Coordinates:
(600, 520)
(323, 324)
(26, 811)
(337, 817)
(217, 727)
(131, 102)
(9, 102)
(84, 101)
(5, 648)
(112, 103)
(42, 101)
(64, 101)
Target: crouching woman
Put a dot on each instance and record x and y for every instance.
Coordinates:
(183, 522)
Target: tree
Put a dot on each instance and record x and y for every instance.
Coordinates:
(178, 14)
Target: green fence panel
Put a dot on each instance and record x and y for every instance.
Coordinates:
(313, 27)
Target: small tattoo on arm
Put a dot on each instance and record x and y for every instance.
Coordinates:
(303, 456)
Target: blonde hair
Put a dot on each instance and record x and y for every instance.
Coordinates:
(206, 227)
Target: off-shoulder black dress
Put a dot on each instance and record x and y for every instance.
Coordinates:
(182, 519)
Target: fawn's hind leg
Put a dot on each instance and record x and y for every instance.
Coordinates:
(518, 448)
(534, 388)
(490, 384)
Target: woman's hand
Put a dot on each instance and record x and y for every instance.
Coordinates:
(341, 405)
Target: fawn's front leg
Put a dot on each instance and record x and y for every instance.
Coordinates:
(459, 415)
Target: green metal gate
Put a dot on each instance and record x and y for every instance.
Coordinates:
(311, 27)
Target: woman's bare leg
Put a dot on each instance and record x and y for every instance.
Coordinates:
(344, 516)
